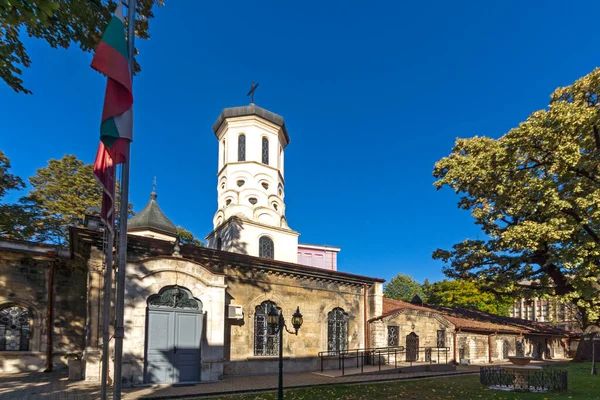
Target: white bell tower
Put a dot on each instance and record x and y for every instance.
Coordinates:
(250, 217)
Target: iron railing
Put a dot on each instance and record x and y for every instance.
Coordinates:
(383, 356)
(545, 379)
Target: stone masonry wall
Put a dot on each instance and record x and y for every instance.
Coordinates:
(24, 273)
(426, 326)
(316, 298)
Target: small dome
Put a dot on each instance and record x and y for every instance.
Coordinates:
(151, 218)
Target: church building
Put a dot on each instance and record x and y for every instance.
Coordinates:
(195, 314)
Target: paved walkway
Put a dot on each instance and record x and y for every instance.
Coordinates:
(56, 386)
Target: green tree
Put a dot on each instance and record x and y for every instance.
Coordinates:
(467, 294)
(14, 218)
(60, 23)
(8, 181)
(535, 193)
(61, 194)
(403, 287)
(187, 237)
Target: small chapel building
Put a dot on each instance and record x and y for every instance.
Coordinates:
(195, 314)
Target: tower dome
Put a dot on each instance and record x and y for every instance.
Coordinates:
(152, 222)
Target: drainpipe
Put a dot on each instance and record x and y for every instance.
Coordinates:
(366, 324)
(490, 358)
(455, 333)
(50, 312)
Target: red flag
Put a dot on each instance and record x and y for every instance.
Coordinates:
(104, 172)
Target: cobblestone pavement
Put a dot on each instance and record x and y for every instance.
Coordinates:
(56, 386)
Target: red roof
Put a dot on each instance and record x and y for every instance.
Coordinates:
(472, 320)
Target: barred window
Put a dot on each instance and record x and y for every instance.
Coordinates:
(266, 341)
(242, 148)
(441, 338)
(14, 329)
(266, 248)
(337, 330)
(265, 151)
(392, 336)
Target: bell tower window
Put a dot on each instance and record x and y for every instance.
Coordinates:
(242, 147)
(265, 151)
(266, 248)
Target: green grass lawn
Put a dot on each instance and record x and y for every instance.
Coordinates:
(582, 386)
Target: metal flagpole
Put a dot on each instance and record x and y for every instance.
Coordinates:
(106, 312)
(120, 302)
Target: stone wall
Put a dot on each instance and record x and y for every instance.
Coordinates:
(426, 326)
(316, 298)
(24, 279)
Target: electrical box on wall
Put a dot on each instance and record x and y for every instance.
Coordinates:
(235, 312)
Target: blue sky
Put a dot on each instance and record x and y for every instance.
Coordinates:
(373, 94)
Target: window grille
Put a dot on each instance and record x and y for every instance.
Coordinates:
(14, 329)
(337, 330)
(265, 151)
(266, 341)
(266, 248)
(242, 148)
(441, 338)
(392, 336)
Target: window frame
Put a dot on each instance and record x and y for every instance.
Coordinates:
(242, 147)
(390, 341)
(24, 328)
(265, 150)
(443, 338)
(266, 341)
(337, 330)
(262, 242)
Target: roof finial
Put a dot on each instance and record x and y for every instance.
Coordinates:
(153, 195)
(251, 91)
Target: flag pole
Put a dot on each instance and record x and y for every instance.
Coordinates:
(124, 206)
(107, 297)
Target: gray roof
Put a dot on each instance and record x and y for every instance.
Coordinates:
(251, 109)
(152, 218)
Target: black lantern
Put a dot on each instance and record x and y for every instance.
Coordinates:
(297, 320)
(273, 318)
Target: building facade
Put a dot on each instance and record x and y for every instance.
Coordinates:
(195, 314)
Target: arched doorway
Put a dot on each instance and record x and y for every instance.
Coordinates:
(412, 347)
(173, 336)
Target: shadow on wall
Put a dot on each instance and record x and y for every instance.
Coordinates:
(24, 284)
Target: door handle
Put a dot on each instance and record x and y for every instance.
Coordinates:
(175, 350)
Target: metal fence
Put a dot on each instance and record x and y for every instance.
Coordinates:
(543, 380)
(381, 356)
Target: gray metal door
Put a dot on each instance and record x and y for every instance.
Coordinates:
(174, 330)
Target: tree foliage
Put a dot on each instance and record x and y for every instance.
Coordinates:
(466, 294)
(13, 219)
(535, 193)
(61, 23)
(402, 287)
(187, 237)
(62, 192)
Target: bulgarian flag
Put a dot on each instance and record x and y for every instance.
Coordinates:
(116, 130)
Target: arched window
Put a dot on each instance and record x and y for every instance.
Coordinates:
(266, 341)
(219, 243)
(337, 330)
(265, 150)
(14, 329)
(242, 148)
(266, 248)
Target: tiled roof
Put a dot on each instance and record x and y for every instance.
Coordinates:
(152, 218)
(467, 320)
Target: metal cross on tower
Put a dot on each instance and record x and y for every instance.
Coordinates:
(251, 91)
